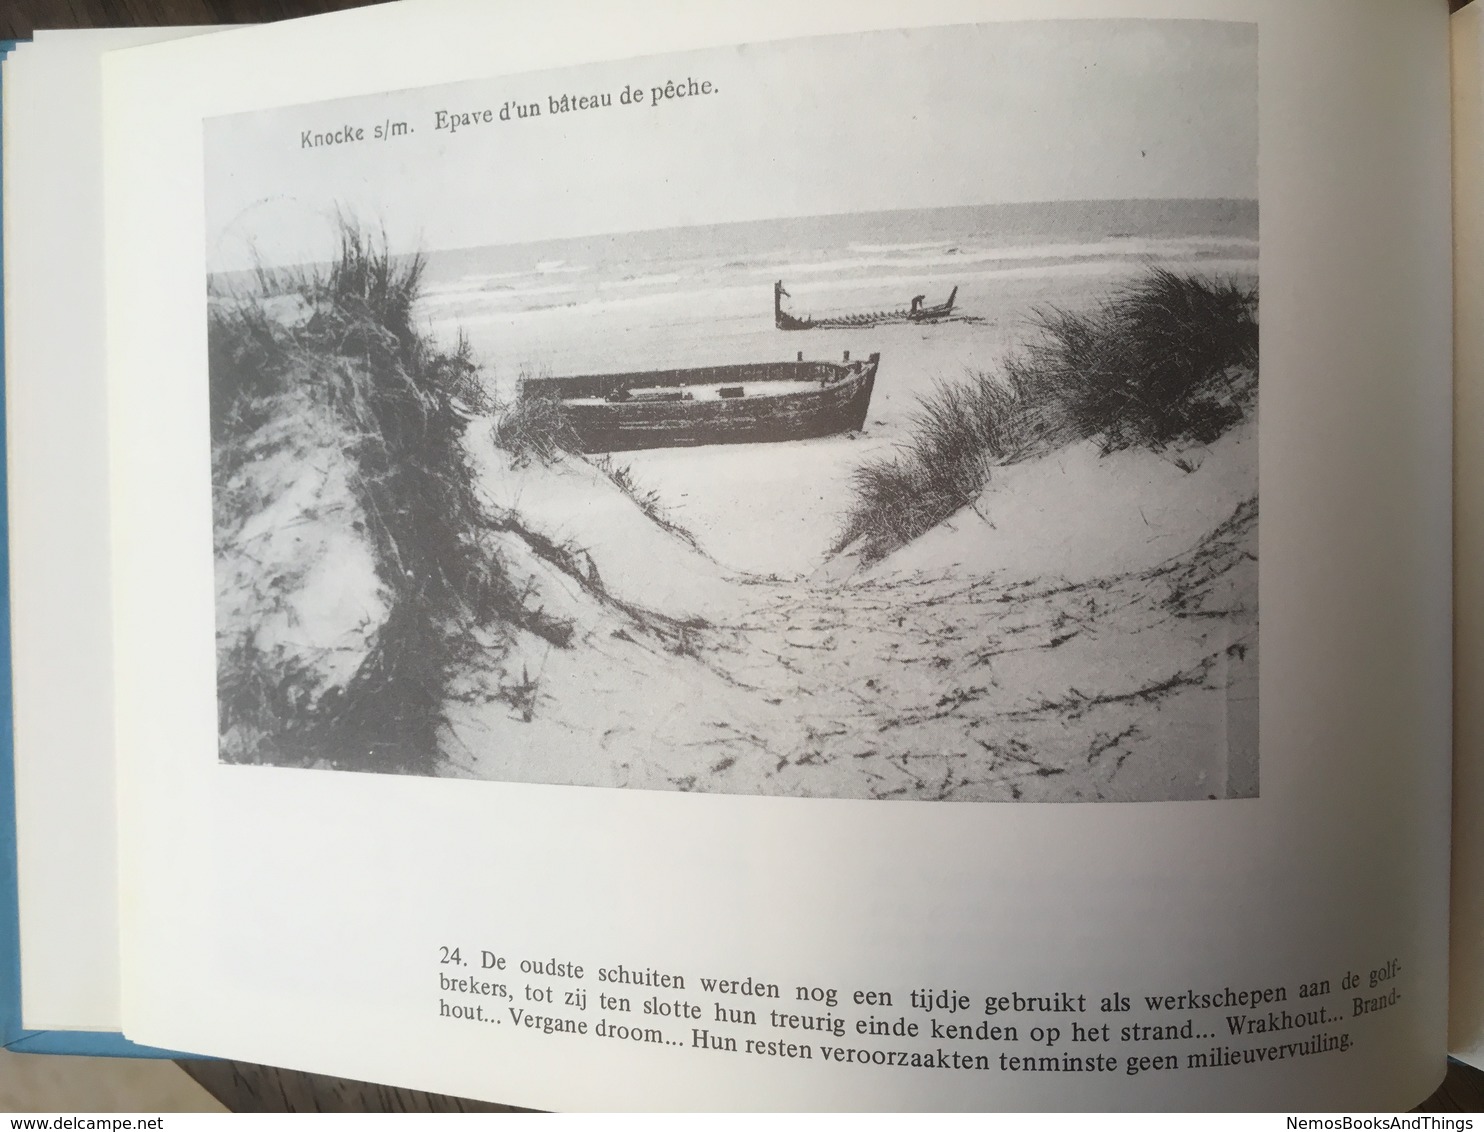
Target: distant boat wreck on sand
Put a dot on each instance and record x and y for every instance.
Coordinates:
(916, 312)
(740, 404)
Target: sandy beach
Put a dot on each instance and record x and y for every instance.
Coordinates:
(775, 509)
(1083, 629)
(1015, 653)
(1086, 630)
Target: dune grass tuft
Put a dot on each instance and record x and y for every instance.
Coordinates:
(1166, 361)
(534, 428)
(1169, 359)
(325, 365)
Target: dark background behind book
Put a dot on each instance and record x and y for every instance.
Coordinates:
(19, 18)
(256, 1088)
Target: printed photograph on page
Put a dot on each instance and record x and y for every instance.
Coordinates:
(867, 416)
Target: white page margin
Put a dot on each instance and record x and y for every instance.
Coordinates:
(59, 588)
(1353, 754)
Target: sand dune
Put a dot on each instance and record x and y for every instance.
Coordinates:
(1128, 674)
(674, 619)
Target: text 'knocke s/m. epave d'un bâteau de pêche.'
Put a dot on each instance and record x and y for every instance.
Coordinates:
(454, 119)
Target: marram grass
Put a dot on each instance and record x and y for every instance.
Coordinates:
(1169, 360)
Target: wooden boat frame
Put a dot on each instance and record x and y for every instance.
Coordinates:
(916, 312)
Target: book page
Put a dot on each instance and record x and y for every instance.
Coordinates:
(57, 450)
(715, 561)
(1466, 1003)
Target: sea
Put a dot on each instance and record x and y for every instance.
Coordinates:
(703, 295)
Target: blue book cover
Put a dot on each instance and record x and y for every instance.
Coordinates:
(14, 1036)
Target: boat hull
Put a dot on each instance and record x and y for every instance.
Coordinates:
(607, 416)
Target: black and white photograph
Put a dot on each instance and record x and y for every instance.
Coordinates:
(862, 417)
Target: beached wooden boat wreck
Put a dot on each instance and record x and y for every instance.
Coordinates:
(915, 312)
(741, 404)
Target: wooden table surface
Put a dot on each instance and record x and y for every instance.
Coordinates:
(258, 1088)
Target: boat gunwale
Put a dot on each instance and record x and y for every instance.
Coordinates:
(566, 388)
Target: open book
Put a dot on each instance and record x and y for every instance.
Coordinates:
(660, 556)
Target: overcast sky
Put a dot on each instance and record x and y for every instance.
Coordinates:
(1053, 110)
